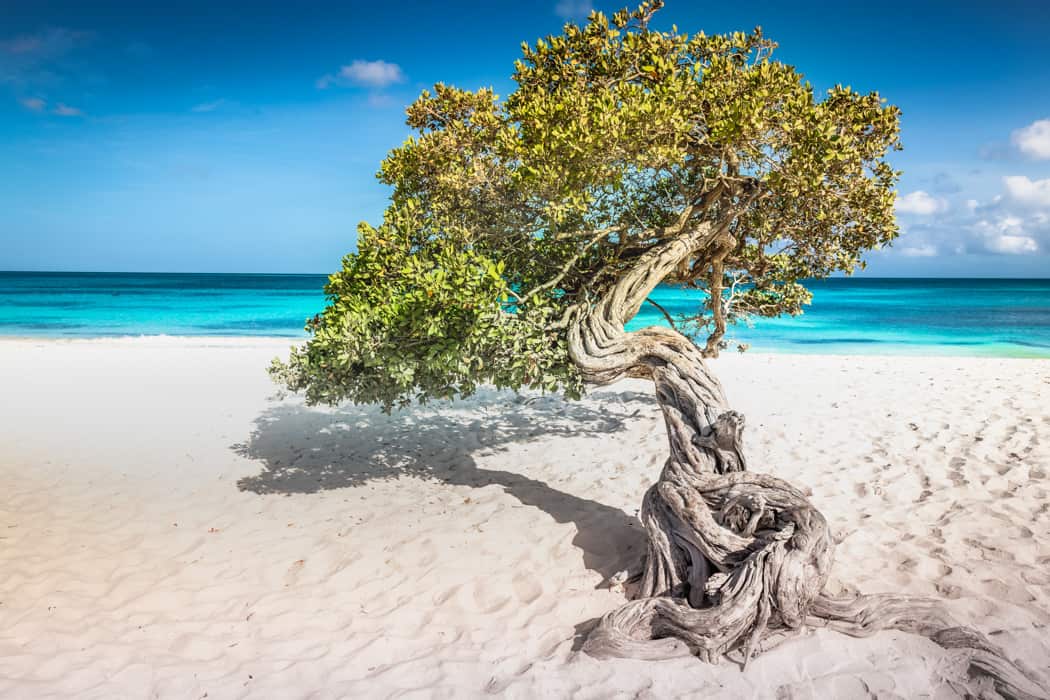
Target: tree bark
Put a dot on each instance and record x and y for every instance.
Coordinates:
(736, 560)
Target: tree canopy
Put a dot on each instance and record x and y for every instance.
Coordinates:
(510, 219)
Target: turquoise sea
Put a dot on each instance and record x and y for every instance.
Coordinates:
(848, 315)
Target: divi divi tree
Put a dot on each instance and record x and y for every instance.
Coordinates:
(523, 234)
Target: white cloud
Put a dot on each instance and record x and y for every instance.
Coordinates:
(64, 110)
(33, 104)
(1013, 245)
(573, 9)
(375, 74)
(1033, 193)
(1007, 233)
(1034, 139)
(920, 202)
(1016, 222)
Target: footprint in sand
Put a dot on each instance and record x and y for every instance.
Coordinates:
(527, 588)
(488, 600)
(444, 596)
(291, 577)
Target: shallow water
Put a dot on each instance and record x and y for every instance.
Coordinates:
(847, 316)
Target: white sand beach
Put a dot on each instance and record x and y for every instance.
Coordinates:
(170, 527)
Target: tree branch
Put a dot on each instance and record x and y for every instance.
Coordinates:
(553, 282)
(664, 312)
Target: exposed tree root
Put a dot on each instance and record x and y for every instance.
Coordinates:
(738, 560)
(863, 615)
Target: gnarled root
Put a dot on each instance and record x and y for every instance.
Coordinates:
(735, 560)
(750, 553)
(863, 615)
(739, 560)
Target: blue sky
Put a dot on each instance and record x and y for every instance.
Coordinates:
(244, 137)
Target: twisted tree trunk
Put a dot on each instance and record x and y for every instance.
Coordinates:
(736, 559)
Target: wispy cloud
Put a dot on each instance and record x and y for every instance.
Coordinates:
(64, 110)
(1033, 140)
(33, 104)
(374, 74)
(21, 45)
(28, 57)
(39, 63)
(40, 106)
(208, 106)
(47, 43)
(923, 250)
(573, 9)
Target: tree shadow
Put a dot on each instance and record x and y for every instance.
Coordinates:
(308, 450)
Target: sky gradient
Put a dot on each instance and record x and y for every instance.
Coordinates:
(244, 137)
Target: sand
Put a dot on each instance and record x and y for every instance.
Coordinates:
(169, 527)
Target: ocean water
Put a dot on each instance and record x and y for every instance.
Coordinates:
(848, 316)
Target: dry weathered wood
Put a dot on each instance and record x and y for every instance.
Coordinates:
(863, 615)
(736, 560)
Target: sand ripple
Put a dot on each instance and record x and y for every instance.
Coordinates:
(171, 529)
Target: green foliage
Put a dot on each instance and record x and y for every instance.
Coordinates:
(429, 322)
(507, 215)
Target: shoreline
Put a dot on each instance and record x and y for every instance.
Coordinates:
(905, 317)
(159, 340)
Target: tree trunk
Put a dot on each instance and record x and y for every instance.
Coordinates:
(736, 560)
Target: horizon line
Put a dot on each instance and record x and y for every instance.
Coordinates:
(840, 276)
